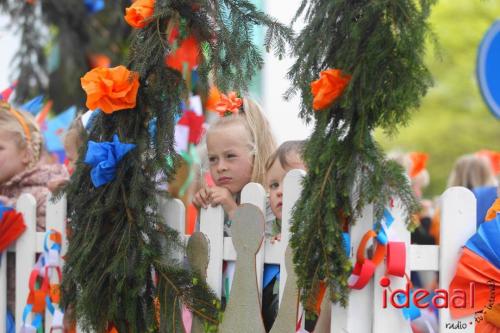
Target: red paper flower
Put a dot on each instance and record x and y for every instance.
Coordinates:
(11, 227)
(228, 104)
(328, 88)
(139, 13)
(110, 89)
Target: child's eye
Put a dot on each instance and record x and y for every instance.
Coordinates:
(231, 155)
(212, 160)
(274, 186)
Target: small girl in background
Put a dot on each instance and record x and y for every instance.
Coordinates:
(23, 171)
(287, 157)
(238, 144)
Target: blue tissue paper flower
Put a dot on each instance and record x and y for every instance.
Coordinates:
(94, 6)
(104, 158)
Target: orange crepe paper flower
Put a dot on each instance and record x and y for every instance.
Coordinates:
(418, 163)
(110, 89)
(138, 15)
(213, 98)
(328, 88)
(493, 211)
(228, 104)
(99, 60)
(187, 53)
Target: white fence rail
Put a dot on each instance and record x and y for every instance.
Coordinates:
(364, 312)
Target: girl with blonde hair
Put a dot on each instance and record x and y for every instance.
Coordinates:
(238, 146)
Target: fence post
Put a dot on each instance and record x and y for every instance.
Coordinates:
(358, 315)
(212, 225)
(292, 188)
(174, 213)
(458, 223)
(255, 194)
(391, 317)
(25, 253)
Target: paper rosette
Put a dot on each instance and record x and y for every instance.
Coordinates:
(11, 227)
(479, 264)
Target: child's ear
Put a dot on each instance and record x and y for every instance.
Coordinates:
(26, 155)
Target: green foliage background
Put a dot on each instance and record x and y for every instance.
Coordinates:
(453, 118)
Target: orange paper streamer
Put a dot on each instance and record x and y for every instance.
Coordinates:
(213, 99)
(328, 88)
(110, 89)
(138, 15)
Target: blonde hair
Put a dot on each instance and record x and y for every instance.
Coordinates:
(26, 131)
(262, 143)
(472, 171)
(283, 153)
(75, 133)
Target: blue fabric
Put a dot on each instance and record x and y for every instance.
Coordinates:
(271, 271)
(152, 129)
(347, 243)
(11, 324)
(485, 197)
(104, 158)
(389, 219)
(412, 312)
(4, 209)
(486, 241)
(94, 6)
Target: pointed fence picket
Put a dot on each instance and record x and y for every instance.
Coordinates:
(364, 312)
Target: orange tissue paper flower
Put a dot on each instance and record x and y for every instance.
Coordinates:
(328, 88)
(230, 103)
(187, 54)
(493, 157)
(110, 89)
(213, 98)
(139, 13)
(418, 163)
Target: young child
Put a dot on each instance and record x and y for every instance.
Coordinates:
(22, 171)
(237, 146)
(287, 157)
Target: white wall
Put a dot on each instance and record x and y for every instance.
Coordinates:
(9, 43)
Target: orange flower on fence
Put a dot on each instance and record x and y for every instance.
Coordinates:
(110, 89)
(138, 15)
(328, 88)
(228, 104)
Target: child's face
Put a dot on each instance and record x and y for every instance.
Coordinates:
(274, 183)
(229, 157)
(13, 159)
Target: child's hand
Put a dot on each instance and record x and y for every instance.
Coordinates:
(222, 196)
(202, 198)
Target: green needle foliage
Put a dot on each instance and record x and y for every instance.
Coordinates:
(381, 44)
(118, 236)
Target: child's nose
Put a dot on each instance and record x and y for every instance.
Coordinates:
(221, 166)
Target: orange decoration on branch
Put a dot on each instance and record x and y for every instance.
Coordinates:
(213, 98)
(187, 54)
(138, 15)
(328, 88)
(493, 157)
(228, 104)
(110, 89)
(418, 163)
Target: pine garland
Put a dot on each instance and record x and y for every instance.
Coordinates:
(381, 45)
(118, 236)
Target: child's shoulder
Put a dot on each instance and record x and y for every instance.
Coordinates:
(39, 175)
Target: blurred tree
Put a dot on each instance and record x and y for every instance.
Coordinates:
(453, 119)
(58, 40)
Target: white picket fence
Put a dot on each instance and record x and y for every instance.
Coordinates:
(364, 312)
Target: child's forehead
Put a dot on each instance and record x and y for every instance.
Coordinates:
(222, 139)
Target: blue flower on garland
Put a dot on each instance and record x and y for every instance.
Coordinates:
(104, 157)
(94, 6)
